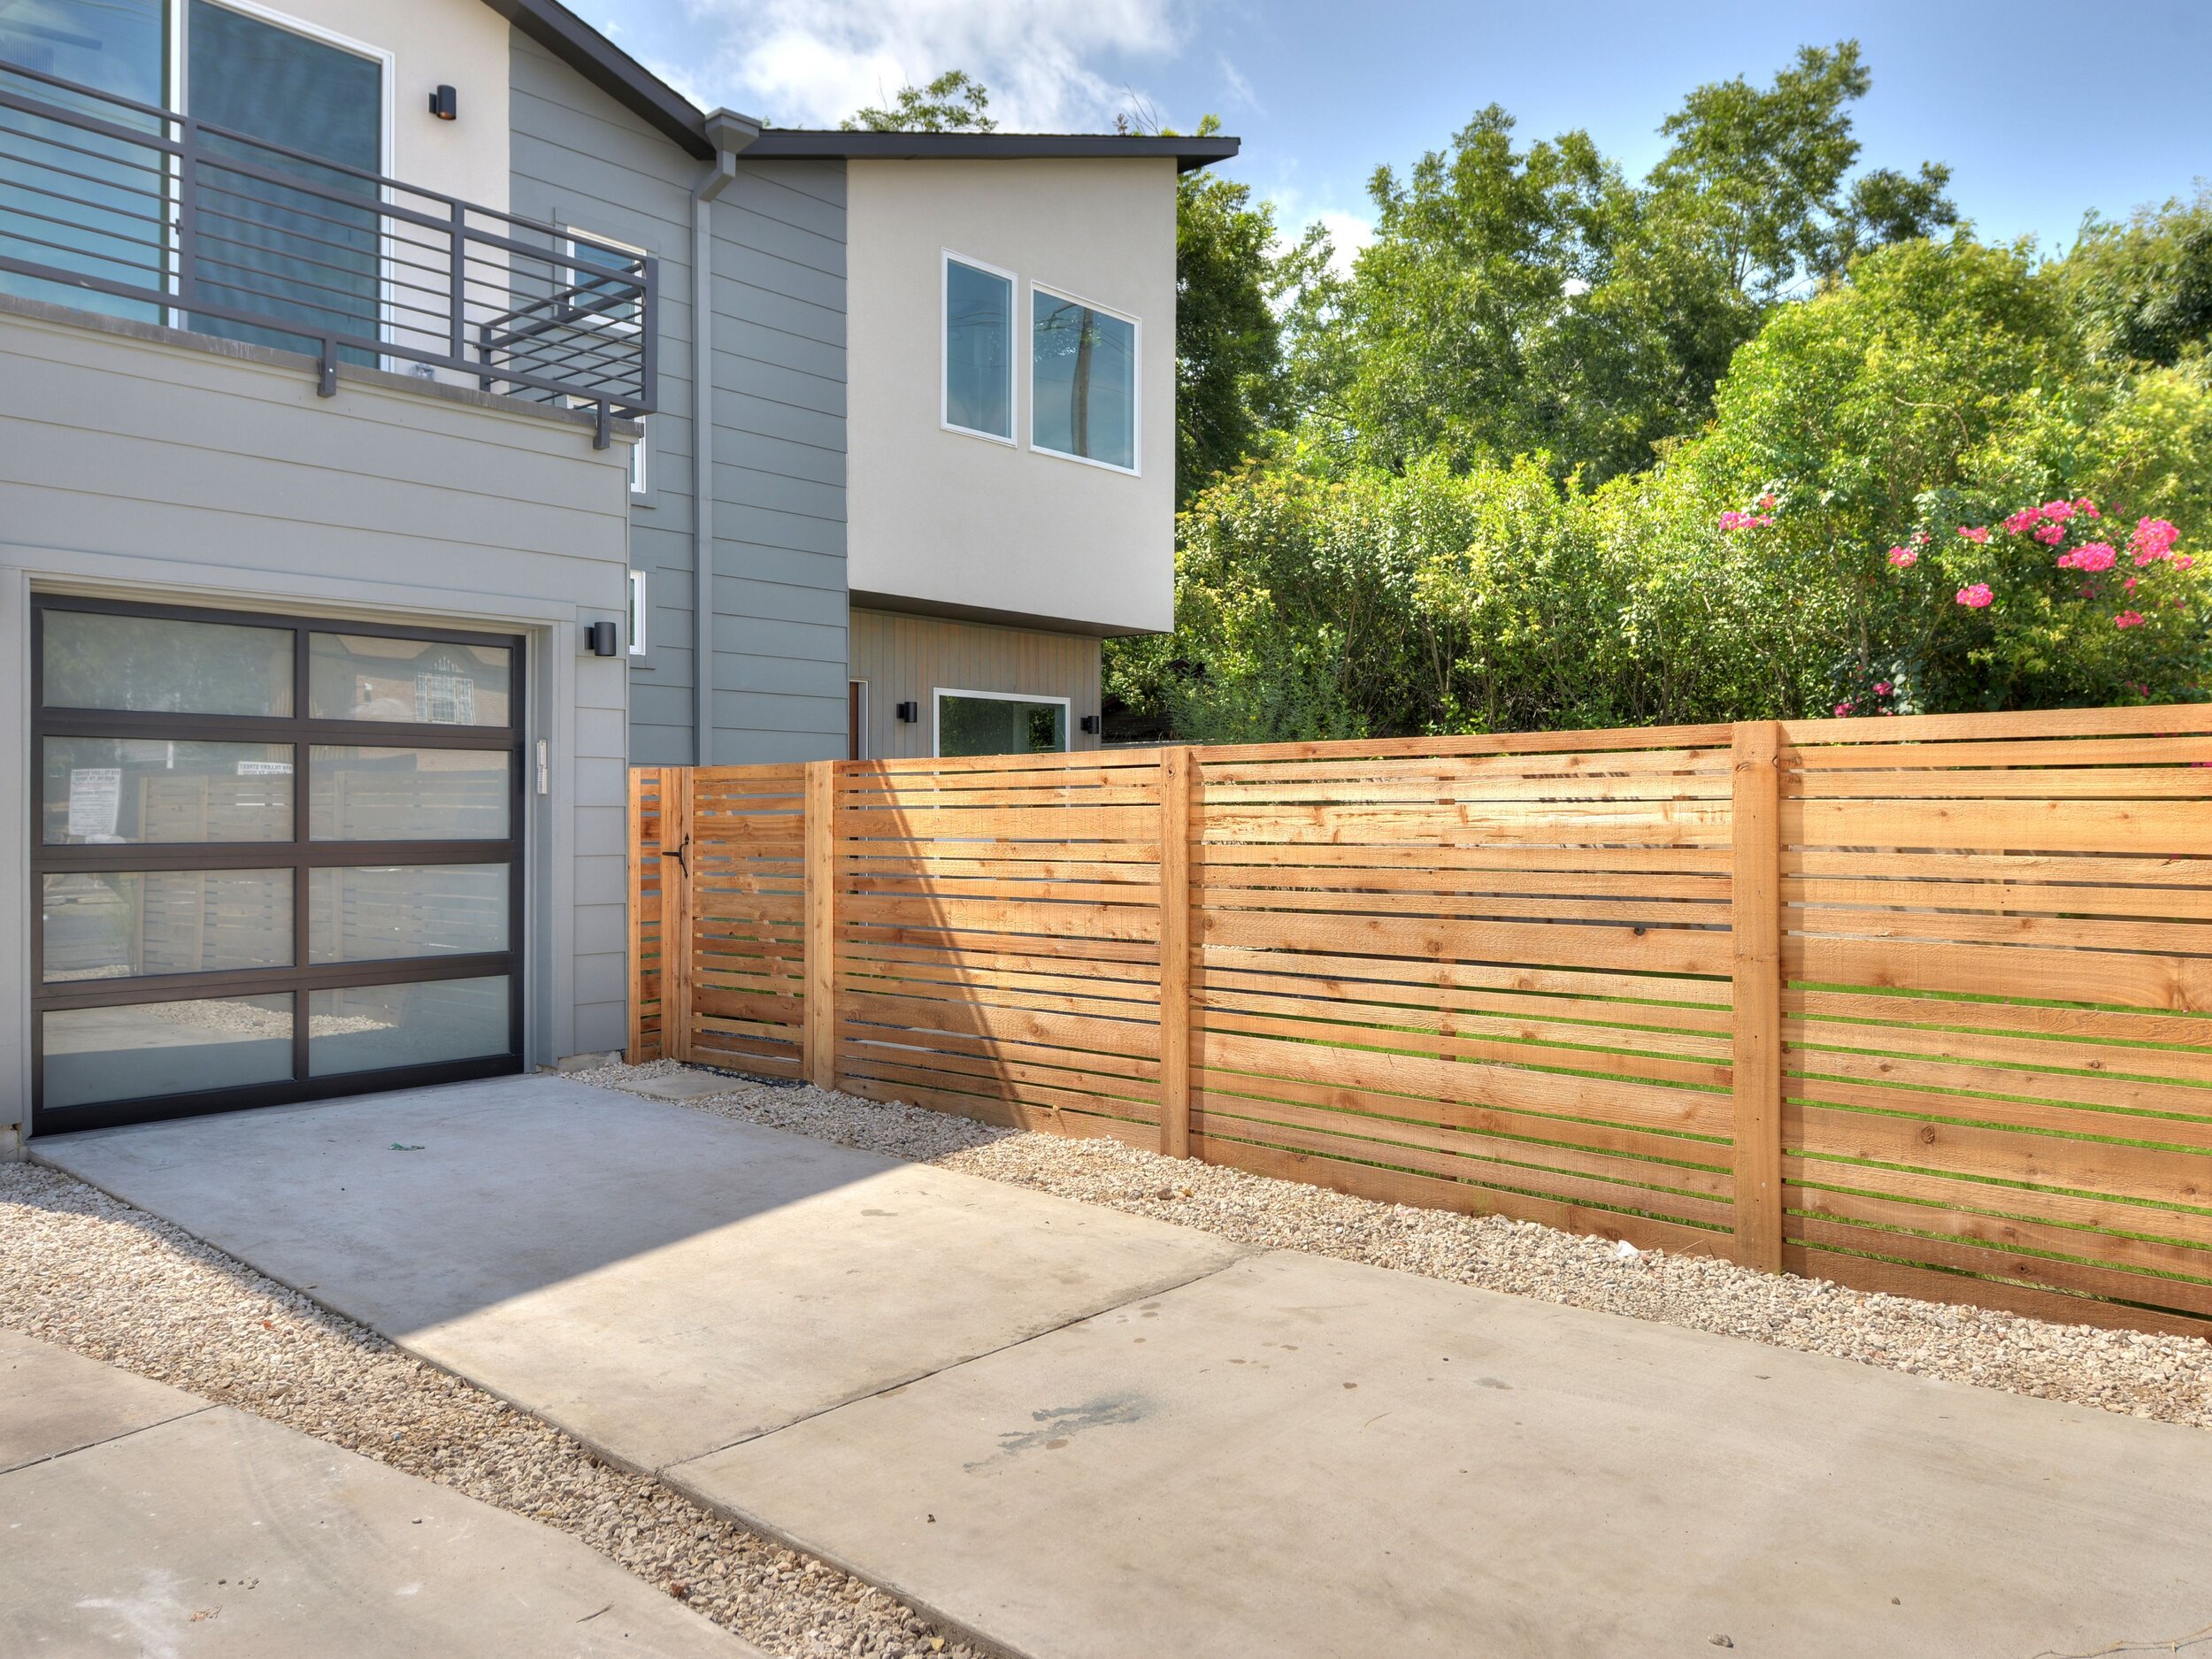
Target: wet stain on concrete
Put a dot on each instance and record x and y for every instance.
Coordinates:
(1057, 1425)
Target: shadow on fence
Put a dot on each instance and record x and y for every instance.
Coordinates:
(1916, 1005)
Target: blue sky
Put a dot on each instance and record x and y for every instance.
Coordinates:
(2043, 109)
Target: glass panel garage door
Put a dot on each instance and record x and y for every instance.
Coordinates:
(273, 859)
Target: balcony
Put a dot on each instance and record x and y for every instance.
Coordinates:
(137, 212)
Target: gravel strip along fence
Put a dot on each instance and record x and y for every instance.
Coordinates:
(2169, 1378)
(83, 1270)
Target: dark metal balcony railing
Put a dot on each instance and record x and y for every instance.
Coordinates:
(133, 209)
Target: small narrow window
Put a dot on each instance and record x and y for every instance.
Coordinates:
(1001, 723)
(638, 475)
(978, 350)
(595, 303)
(1082, 382)
(637, 613)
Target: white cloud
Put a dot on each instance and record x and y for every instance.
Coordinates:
(1240, 89)
(810, 63)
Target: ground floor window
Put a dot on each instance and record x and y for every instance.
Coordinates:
(275, 857)
(1000, 723)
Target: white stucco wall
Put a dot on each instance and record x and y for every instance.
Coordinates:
(460, 44)
(950, 519)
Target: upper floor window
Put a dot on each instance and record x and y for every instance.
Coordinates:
(978, 350)
(1082, 380)
(614, 304)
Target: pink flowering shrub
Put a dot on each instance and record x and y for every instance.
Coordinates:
(1746, 521)
(2032, 609)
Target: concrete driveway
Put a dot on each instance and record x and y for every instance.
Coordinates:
(140, 1520)
(1076, 1432)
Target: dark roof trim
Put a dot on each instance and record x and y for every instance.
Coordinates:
(606, 66)
(795, 143)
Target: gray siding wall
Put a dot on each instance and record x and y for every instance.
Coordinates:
(778, 671)
(152, 466)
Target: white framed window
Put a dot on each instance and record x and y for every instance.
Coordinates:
(977, 386)
(618, 308)
(1082, 380)
(998, 723)
(329, 96)
(638, 613)
(297, 91)
(641, 485)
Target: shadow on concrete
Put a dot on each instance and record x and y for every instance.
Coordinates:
(660, 1281)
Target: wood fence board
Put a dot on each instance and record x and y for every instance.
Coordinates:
(1665, 993)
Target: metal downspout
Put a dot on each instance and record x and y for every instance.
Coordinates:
(731, 132)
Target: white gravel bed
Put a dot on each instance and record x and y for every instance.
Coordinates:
(83, 1270)
(2169, 1378)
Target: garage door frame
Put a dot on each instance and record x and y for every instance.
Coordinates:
(300, 855)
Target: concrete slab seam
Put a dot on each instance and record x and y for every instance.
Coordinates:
(1158, 1288)
(201, 1409)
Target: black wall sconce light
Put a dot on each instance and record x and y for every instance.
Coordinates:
(1092, 725)
(601, 640)
(445, 104)
(908, 713)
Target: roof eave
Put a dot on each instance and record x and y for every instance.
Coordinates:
(797, 143)
(605, 65)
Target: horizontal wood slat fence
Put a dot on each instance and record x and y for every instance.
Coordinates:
(1920, 1005)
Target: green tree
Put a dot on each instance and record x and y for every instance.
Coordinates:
(1228, 349)
(1533, 300)
(1459, 331)
(1885, 207)
(2144, 287)
(953, 102)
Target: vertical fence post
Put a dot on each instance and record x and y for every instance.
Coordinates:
(1176, 769)
(821, 1029)
(635, 1052)
(678, 859)
(1756, 933)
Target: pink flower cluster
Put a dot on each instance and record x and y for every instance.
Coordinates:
(1746, 521)
(2128, 619)
(2153, 540)
(2090, 556)
(1903, 557)
(2051, 515)
(1975, 533)
(1849, 705)
(1975, 597)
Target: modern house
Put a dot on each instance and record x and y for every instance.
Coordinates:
(411, 413)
